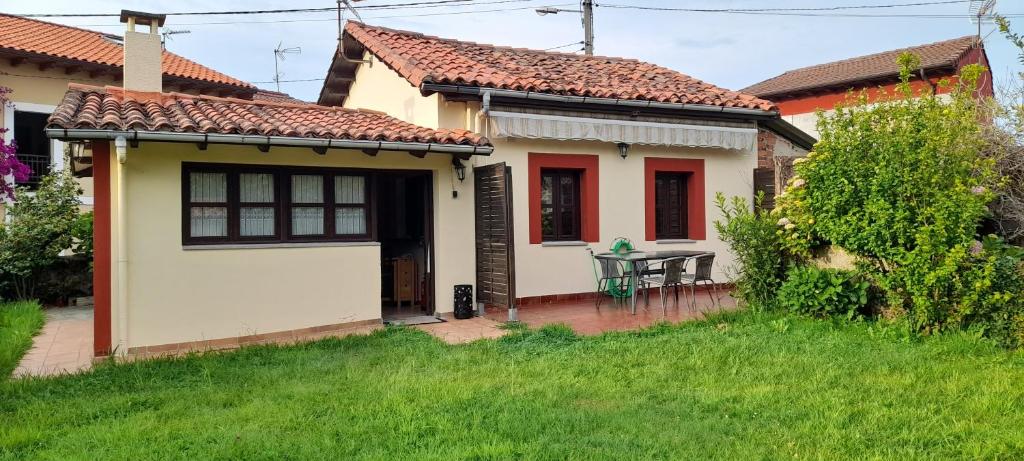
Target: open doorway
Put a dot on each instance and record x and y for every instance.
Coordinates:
(404, 207)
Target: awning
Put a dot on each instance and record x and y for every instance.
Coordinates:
(544, 126)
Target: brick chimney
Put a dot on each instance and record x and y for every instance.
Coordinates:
(143, 52)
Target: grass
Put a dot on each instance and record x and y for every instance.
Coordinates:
(19, 322)
(738, 386)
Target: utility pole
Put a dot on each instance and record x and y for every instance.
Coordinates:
(588, 27)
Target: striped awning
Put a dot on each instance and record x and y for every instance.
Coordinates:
(560, 127)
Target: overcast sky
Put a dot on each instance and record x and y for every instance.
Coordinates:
(728, 50)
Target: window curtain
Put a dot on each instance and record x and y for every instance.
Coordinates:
(307, 220)
(209, 221)
(349, 190)
(256, 188)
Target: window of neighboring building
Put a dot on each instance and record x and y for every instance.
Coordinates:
(670, 205)
(33, 145)
(242, 204)
(560, 204)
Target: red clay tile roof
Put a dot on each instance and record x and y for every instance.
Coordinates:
(425, 59)
(864, 68)
(276, 96)
(112, 108)
(56, 40)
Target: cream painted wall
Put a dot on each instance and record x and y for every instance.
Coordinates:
(377, 87)
(545, 270)
(178, 295)
(43, 87)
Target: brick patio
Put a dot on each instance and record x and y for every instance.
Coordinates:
(586, 319)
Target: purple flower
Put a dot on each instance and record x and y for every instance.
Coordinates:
(976, 248)
(978, 190)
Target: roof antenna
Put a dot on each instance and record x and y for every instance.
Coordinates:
(279, 56)
(347, 6)
(981, 12)
(167, 35)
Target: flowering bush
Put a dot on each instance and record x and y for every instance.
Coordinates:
(10, 166)
(755, 244)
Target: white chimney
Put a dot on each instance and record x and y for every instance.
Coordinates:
(143, 52)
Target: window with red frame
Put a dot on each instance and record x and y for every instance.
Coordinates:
(670, 205)
(560, 204)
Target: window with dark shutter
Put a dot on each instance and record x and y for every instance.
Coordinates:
(670, 205)
(560, 205)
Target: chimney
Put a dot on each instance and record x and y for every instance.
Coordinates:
(143, 52)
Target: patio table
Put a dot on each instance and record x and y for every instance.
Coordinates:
(636, 256)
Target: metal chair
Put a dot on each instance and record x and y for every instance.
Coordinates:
(672, 276)
(612, 271)
(702, 274)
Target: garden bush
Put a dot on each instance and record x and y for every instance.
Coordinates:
(754, 242)
(816, 292)
(903, 185)
(39, 230)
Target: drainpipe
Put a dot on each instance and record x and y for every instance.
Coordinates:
(121, 147)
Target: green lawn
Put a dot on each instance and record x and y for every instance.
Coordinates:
(734, 387)
(19, 322)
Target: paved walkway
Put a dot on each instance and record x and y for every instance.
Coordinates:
(463, 331)
(64, 345)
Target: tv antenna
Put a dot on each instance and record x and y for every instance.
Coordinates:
(279, 54)
(168, 34)
(344, 5)
(982, 12)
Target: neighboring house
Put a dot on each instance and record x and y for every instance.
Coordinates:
(221, 221)
(38, 59)
(801, 92)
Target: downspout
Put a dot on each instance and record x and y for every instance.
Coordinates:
(121, 147)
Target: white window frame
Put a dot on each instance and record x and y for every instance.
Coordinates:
(56, 145)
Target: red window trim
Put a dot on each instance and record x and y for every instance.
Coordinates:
(589, 192)
(695, 215)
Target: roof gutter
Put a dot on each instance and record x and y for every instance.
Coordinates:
(257, 140)
(631, 103)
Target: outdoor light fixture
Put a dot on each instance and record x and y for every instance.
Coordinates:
(460, 169)
(623, 150)
(80, 155)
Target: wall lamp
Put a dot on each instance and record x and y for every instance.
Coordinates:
(460, 169)
(623, 150)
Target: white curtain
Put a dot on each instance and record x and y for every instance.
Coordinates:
(209, 221)
(307, 220)
(349, 190)
(256, 188)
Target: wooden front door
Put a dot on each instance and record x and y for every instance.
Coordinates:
(495, 247)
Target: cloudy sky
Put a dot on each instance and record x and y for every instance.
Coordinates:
(727, 49)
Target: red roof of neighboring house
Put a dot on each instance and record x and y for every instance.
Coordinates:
(868, 68)
(112, 108)
(24, 35)
(422, 59)
(276, 96)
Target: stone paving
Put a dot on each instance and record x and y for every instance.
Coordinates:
(64, 345)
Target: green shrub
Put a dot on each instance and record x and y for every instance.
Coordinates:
(754, 242)
(40, 228)
(903, 184)
(809, 290)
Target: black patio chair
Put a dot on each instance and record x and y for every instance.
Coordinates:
(702, 274)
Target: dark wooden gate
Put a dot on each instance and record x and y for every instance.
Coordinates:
(495, 247)
(764, 181)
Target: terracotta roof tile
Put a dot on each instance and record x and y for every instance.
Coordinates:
(864, 68)
(425, 59)
(276, 96)
(112, 108)
(60, 41)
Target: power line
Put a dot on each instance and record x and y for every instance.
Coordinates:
(563, 46)
(390, 6)
(766, 10)
(285, 21)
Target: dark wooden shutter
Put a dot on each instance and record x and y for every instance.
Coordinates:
(764, 181)
(495, 248)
